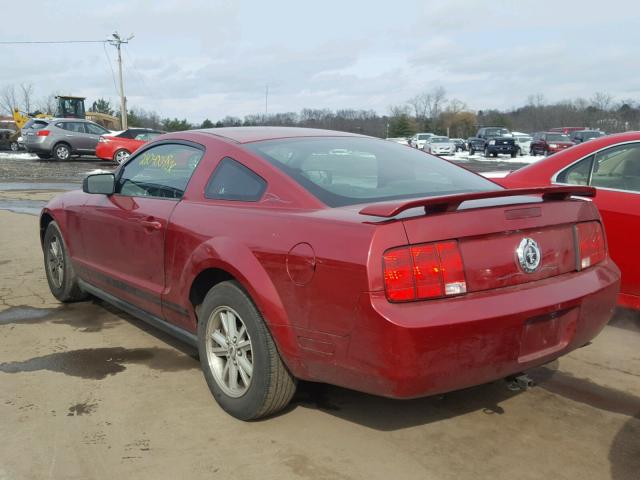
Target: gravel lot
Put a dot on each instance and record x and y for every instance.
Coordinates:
(87, 391)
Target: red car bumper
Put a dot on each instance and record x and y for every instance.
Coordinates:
(424, 348)
(104, 151)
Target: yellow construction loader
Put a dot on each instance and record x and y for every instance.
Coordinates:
(68, 107)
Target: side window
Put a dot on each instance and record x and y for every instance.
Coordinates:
(233, 181)
(618, 168)
(95, 129)
(162, 171)
(578, 173)
(73, 127)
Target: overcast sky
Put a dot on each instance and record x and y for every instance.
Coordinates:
(211, 58)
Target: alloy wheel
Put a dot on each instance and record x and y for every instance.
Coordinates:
(62, 152)
(121, 156)
(55, 262)
(229, 351)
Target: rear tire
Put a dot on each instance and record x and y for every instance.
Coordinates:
(121, 156)
(239, 359)
(61, 277)
(514, 155)
(61, 152)
(471, 151)
(532, 152)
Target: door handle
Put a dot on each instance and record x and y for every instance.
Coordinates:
(151, 224)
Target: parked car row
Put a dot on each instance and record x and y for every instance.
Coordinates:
(62, 138)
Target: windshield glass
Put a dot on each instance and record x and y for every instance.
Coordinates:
(423, 137)
(557, 137)
(496, 132)
(439, 140)
(366, 170)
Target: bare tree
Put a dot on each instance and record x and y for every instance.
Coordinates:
(47, 104)
(602, 101)
(8, 99)
(26, 89)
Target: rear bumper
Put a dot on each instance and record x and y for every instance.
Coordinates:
(424, 348)
(104, 151)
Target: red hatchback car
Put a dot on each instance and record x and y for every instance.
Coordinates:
(611, 164)
(547, 143)
(117, 148)
(287, 254)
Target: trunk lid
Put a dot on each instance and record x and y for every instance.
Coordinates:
(491, 231)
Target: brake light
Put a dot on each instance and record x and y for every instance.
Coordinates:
(590, 244)
(43, 133)
(418, 272)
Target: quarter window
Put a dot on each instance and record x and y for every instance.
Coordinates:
(578, 173)
(618, 168)
(95, 129)
(162, 171)
(233, 181)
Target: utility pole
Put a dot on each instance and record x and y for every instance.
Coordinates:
(117, 42)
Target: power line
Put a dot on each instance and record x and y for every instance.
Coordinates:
(53, 41)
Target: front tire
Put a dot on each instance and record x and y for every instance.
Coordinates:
(61, 277)
(486, 152)
(61, 152)
(239, 359)
(471, 151)
(14, 146)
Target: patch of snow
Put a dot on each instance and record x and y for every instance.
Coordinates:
(18, 156)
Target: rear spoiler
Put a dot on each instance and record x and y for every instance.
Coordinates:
(449, 203)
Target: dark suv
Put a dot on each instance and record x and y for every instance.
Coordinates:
(584, 135)
(494, 140)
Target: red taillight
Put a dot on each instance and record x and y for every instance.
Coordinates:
(43, 133)
(590, 243)
(398, 279)
(418, 272)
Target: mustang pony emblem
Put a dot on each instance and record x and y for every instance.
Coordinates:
(528, 255)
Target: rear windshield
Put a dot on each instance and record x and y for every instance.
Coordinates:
(557, 137)
(366, 170)
(36, 124)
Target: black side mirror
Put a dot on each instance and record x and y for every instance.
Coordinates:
(102, 183)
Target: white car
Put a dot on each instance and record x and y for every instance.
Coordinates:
(419, 139)
(439, 146)
(523, 142)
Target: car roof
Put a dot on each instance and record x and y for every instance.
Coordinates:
(257, 134)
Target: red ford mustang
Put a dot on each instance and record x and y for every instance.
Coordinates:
(612, 165)
(287, 254)
(117, 148)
